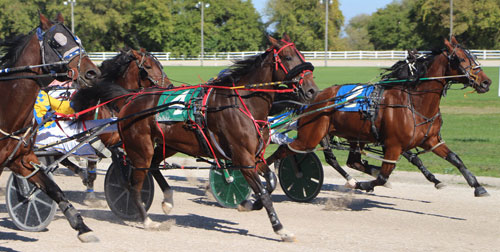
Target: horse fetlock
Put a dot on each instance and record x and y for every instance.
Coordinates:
(245, 206)
(74, 218)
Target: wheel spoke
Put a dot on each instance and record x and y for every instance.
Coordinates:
(27, 213)
(35, 208)
(119, 196)
(44, 202)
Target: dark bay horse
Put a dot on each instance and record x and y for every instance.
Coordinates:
(235, 123)
(53, 45)
(408, 114)
(131, 69)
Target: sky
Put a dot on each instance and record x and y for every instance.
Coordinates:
(349, 8)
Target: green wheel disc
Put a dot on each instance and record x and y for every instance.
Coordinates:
(229, 194)
(301, 176)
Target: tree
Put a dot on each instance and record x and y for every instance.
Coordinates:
(304, 22)
(230, 25)
(391, 28)
(358, 37)
(475, 22)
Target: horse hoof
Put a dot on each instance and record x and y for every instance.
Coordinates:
(440, 185)
(88, 237)
(351, 183)
(245, 206)
(151, 225)
(388, 185)
(167, 207)
(480, 192)
(286, 236)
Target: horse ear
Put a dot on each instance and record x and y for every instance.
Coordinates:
(454, 40)
(143, 50)
(448, 45)
(273, 41)
(286, 37)
(45, 23)
(59, 18)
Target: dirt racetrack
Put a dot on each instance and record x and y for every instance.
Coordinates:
(412, 216)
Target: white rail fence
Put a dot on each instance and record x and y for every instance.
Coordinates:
(310, 55)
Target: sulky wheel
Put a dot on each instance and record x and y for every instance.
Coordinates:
(118, 196)
(30, 209)
(301, 176)
(229, 192)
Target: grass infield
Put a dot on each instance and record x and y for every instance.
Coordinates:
(471, 121)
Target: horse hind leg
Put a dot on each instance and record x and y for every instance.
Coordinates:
(168, 194)
(416, 161)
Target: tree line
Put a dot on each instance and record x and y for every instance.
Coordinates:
(235, 25)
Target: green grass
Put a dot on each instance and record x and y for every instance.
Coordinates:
(471, 121)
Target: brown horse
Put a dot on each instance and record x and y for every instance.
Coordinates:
(234, 125)
(54, 46)
(130, 69)
(408, 114)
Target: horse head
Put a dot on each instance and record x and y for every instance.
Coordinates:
(150, 69)
(290, 65)
(462, 62)
(59, 44)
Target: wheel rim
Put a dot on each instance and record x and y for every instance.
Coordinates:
(33, 214)
(305, 184)
(229, 195)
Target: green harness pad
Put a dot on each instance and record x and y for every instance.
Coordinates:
(177, 112)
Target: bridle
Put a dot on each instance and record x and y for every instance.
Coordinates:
(54, 42)
(295, 74)
(145, 74)
(472, 71)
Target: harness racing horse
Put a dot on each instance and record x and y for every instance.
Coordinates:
(234, 125)
(408, 114)
(51, 47)
(130, 69)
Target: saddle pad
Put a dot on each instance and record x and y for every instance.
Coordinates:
(180, 111)
(348, 92)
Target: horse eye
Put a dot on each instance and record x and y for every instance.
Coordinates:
(148, 66)
(288, 58)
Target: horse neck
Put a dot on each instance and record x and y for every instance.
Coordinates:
(258, 105)
(19, 95)
(130, 80)
(427, 95)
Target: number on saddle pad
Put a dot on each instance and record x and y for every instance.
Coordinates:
(178, 111)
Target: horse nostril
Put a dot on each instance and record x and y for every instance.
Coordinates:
(91, 74)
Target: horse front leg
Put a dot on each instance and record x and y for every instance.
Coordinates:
(264, 198)
(168, 194)
(444, 152)
(137, 181)
(47, 185)
(391, 155)
(416, 161)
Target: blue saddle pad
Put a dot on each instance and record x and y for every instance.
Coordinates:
(350, 92)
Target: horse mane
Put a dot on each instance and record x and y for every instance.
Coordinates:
(103, 91)
(12, 48)
(239, 69)
(112, 68)
(415, 66)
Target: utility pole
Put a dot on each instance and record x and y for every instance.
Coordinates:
(72, 3)
(202, 6)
